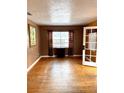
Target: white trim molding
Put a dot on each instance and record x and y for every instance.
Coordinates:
(77, 55)
(29, 68)
(65, 56)
(48, 56)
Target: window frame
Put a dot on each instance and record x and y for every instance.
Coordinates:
(60, 40)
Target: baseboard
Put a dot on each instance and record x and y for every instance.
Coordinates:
(65, 55)
(29, 68)
(47, 56)
(77, 55)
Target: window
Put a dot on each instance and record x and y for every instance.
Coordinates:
(60, 39)
(92, 41)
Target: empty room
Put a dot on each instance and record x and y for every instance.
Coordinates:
(61, 46)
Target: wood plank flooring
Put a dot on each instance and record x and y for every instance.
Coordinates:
(62, 75)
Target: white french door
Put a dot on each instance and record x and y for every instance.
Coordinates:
(90, 46)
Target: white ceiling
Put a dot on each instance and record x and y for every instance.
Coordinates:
(62, 12)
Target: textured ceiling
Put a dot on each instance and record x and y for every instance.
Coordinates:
(62, 12)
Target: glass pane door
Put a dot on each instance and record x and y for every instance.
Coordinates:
(90, 43)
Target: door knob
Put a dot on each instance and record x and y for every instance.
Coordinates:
(83, 47)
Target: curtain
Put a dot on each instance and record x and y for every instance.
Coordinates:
(71, 42)
(50, 46)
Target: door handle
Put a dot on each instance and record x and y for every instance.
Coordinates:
(83, 47)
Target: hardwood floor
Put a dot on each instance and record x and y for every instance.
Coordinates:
(62, 75)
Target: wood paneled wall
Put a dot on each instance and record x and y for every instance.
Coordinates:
(78, 37)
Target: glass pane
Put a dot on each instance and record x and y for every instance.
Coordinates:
(92, 46)
(62, 40)
(94, 30)
(93, 52)
(56, 41)
(66, 40)
(87, 58)
(93, 59)
(92, 37)
(64, 35)
(87, 52)
(56, 45)
(56, 35)
(64, 45)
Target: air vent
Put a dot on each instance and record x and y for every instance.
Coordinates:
(29, 13)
